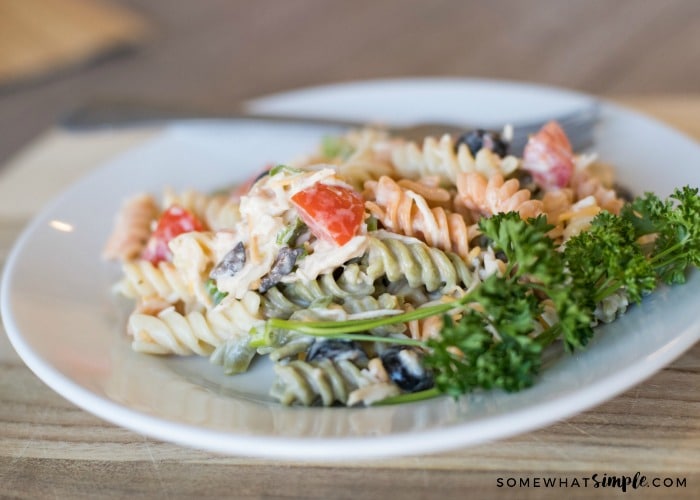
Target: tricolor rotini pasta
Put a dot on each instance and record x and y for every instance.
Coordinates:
(367, 227)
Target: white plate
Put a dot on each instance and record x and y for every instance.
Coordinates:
(63, 322)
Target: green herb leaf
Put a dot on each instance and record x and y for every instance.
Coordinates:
(468, 356)
(675, 223)
(289, 234)
(372, 223)
(607, 257)
(526, 245)
(335, 147)
(284, 168)
(216, 295)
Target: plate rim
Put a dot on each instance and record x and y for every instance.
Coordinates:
(432, 440)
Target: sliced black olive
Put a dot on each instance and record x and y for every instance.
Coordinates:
(262, 174)
(623, 192)
(404, 365)
(231, 263)
(283, 265)
(482, 240)
(480, 139)
(335, 349)
(526, 181)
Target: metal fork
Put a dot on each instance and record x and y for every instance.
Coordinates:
(579, 124)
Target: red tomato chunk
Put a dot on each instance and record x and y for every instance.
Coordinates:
(548, 157)
(173, 222)
(333, 213)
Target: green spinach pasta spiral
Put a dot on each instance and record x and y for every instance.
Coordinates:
(282, 300)
(234, 355)
(325, 382)
(369, 304)
(417, 263)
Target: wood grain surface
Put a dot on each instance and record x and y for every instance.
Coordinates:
(215, 53)
(38, 37)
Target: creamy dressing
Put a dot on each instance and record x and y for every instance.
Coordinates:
(326, 257)
(266, 211)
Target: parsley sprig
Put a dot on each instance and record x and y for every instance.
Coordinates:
(674, 225)
(493, 336)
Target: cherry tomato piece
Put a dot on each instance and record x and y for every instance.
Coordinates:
(333, 213)
(548, 157)
(173, 222)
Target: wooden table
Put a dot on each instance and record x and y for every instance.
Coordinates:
(50, 448)
(214, 54)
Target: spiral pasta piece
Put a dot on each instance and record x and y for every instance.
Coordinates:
(584, 185)
(357, 156)
(234, 355)
(608, 309)
(282, 300)
(426, 328)
(489, 196)
(555, 203)
(350, 282)
(144, 280)
(324, 381)
(429, 188)
(170, 332)
(132, 228)
(292, 347)
(441, 158)
(219, 211)
(364, 164)
(277, 305)
(281, 344)
(417, 263)
(404, 211)
(370, 305)
(578, 218)
(194, 255)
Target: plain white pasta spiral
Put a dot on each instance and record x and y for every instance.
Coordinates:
(364, 163)
(170, 332)
(142, 279)
(193, 256)
(218, 212)
(441, 158)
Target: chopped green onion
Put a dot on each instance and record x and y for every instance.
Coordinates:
(216, 295)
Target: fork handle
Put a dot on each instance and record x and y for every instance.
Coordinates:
(578, 124)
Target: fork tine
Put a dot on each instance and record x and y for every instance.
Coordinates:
(579, 127)
(582, 116)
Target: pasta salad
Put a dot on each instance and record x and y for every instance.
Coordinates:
(379, 270)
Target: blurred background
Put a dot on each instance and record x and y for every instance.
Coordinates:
(56, 55)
